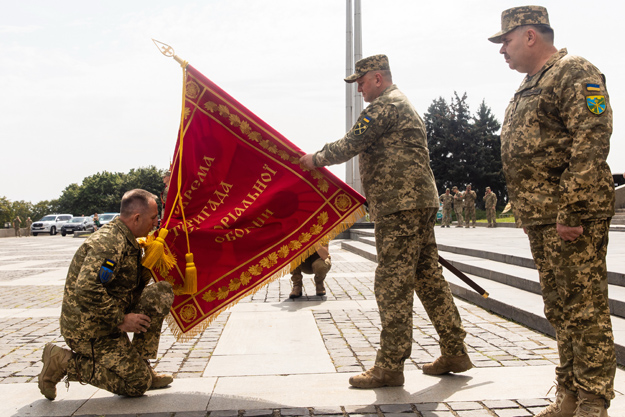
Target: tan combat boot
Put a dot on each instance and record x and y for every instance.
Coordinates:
(445, 364)
(296, 292)
(377, 377)
(563, 406)
(319, 287)
(55, 361)
(159, 380)
(590, 405)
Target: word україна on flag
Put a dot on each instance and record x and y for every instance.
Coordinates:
(252, 212)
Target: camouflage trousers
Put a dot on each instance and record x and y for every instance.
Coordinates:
(491, 216)
(469, 215)
(459, 216)
(446, 216)
(408, 263)
(113, 362)
(573, 277)
(18, 232)
(318, 267)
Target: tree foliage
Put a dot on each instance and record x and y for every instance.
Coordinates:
(464, 148)
(101, 193)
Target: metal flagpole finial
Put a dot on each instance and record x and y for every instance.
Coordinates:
(168, 51)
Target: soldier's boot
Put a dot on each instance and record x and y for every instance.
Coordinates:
(55, 361)
(159, 380)
(563, 406)
(590, 405)
(445, 364)
(319, 287)
(296, 292)
(377, 377)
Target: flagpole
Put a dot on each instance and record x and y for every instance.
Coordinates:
(357, 96)
(168, 51)
(349, 89)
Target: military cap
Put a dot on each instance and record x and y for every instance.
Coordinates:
(371, 63)
(519, 16)
(167, 174)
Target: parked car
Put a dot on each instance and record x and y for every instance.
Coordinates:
(107, 217)
(77, 223)
(50, 224)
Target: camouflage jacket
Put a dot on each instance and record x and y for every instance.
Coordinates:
(446, 199)
(554, 144)
(469, 198)
(390, 140)
(490, 200)
(104, 280)
(458, 198)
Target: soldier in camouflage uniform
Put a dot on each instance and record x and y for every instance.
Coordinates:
(29, 223)
(447, 200)
(490, 204)
(17, 223)
(166, 179)
(106, 296)
(319, 264)
(554, 145)
(469, 206)
(458, 197)
(390, 140)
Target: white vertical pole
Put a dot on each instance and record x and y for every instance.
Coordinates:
(349, 90)
(357, 96)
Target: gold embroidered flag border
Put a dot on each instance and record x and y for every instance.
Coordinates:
(252, 212)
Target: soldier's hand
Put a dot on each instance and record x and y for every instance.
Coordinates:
(307, 161)
(135, 323)
(569, 233)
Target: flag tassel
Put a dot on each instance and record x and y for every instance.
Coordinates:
(190, 276)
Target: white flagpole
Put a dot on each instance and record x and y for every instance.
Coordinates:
(349, 90)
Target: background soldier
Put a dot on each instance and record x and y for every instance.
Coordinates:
(106, 296)
(458, 206)
(390, 140)
(166, 179)
(490, 204)
(447, 200)
(29, 223)
(565, 201)
(469, 206)
(319, 264)
(17, 223)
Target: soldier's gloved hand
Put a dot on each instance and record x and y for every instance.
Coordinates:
(135, 323)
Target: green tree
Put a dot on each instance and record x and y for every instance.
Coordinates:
(6, 211)
(42, 208)
(69, 198)
(464, 149)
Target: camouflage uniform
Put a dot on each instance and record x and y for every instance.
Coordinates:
(447, 200)
(469, 207)
(554, 144)
(458, 197)
(29, 223)
(390, 140)
(17, 222)
(105, 282)
(490, 203)
(313, 265)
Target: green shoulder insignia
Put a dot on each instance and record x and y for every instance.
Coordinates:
(596, 104)
(360, 127)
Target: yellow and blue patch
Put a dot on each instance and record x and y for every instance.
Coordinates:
(593, 87)
(596, 104)
(361, 126)
(106, 271)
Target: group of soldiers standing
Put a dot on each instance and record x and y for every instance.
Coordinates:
(460, 202)
(17, 224)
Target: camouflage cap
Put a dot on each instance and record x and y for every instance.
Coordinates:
(371, 63)
(519, 16)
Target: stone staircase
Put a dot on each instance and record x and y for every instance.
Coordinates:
(511, 280)
(619, 217)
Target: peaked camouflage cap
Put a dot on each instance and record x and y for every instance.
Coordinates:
(371, 63)
(520, 16)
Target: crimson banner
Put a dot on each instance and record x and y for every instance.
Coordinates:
(251, 211)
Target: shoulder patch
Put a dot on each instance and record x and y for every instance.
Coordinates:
(596, 104)
(360, 127)
(593, 87)
(106, 271)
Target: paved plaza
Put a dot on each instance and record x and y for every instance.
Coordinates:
(271, 356)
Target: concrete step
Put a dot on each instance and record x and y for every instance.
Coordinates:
(522, 305)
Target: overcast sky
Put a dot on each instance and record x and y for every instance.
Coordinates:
(84, 90)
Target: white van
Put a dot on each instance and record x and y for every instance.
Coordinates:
(51, 223)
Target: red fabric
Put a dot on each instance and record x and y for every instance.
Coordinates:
(251, 210)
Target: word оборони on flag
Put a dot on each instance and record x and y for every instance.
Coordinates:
(242, 204)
